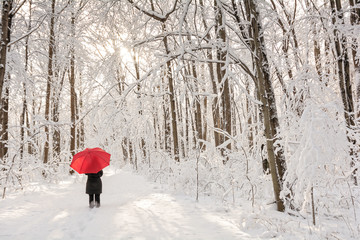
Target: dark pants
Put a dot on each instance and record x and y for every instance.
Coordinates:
(97, 198)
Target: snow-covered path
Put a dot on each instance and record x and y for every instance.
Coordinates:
(132, 208)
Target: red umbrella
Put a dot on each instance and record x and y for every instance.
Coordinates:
(91, 160)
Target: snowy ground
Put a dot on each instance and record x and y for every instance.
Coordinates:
(133, 208)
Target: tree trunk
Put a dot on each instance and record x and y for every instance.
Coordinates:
(266, 94)
(137, 72)
(73, 97)
(249, 117)
(344, 77)
(49, 81)
(220, 71)
(223, 81)
(4, 114)
(6, 19)
(355, 21)
(198, 116)
(24, 113)
(22, 119)
(167, 127)
(81, 129)
(55, 117)
(215, 102)
(183, 113)
(170, 79)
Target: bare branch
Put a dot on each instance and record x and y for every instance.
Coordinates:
(28, 33)
(15, 10)
(153, 14)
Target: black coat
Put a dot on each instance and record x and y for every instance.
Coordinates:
(94, 184)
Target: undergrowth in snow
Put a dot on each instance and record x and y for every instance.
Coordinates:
(136, 208)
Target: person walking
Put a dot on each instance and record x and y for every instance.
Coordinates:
(94, 188)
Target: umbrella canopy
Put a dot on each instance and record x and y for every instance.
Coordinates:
(91, 160)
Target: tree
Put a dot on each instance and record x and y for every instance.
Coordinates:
(267, 97)
(73, 98)
(343, 68)
(6, 19)
(162, 18)
(49, 80)
(355, 20)
(24, 118)
(223, 81)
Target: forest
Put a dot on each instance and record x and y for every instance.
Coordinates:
(244, 100)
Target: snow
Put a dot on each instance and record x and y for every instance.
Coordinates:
(134, 208)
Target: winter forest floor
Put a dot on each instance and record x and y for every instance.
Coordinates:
(134, 208)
